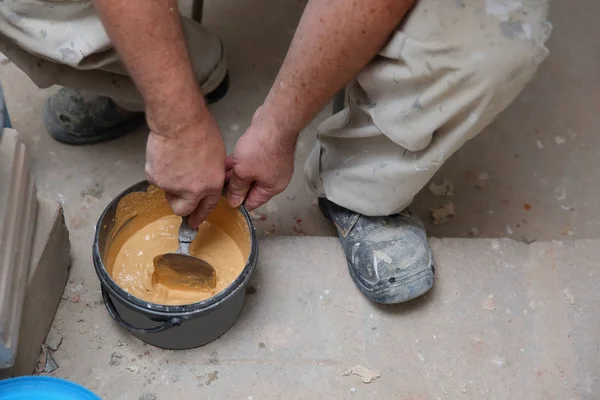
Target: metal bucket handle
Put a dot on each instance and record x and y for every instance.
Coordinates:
(170, 323)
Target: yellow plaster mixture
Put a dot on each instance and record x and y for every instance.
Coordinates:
(146, 227)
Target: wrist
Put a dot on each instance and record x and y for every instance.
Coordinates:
(173, 119)
(272, 120)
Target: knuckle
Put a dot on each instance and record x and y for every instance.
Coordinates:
(195, 193)
(178, 208)
(209, 207)
(241, 174)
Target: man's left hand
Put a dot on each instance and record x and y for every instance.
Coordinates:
(261, 165)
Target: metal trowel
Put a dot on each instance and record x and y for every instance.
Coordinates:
(182, 269)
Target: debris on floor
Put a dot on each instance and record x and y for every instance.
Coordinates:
(297, 231)
(445, 188)
(46, 363)
(212, 376)
(271, 207)
(270, 231)
(442, 214)
(463, 387)
(133, 368)
(53, 341)
(488, 304)
(366, 375)
(567, 231)
(499, 362)
(482, 177)
(570, 297)
(115, 359)
(532, 305)
(257, 216)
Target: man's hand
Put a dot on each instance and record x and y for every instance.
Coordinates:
(185, 153)
(331, 45)
(189, 166)
(261, 165)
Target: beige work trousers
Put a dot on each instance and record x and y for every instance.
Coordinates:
(63, 42)
(448, 70)
(444, 75)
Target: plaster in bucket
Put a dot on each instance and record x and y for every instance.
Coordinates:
(145, 227)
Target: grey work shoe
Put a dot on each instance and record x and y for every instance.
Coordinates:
(73, 117)
(389, 257)
(78, 118)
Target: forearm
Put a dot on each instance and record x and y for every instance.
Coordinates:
(334, 41)
(149, 39)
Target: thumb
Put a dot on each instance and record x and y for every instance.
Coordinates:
(205, 207)
(228, 163)
(179, 205)
(237, 189)
(257, 197)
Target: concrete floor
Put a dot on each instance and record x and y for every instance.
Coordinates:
(505, 321)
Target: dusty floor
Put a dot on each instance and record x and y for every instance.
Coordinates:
(541, 156)
(504, 321)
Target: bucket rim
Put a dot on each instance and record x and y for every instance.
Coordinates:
(163, 310)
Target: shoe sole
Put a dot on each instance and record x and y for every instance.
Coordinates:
(381, 296)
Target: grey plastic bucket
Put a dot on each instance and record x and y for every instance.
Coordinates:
(170, 327)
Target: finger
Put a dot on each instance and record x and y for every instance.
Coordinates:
(149, 174)
(179, 205)
(257, 197)
(205, 207)
(229, 163)
(237, 189)
(257, 113)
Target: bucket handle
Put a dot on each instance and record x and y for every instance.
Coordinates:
(170, 323)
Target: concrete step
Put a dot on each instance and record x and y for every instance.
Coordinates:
(505, 321)
(34, 260)
(48, 272)
(18, 207)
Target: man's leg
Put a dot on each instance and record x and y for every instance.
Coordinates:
(65, 43)
(448, 70)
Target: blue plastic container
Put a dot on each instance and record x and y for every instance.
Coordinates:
(43, 388)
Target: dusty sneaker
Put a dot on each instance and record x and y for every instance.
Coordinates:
(389, 257)
(78, 118)
(74, 117)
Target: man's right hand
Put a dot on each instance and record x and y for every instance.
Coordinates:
(188, 165)
(185, 154)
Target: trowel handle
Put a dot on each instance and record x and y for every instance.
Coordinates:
(186, 236)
